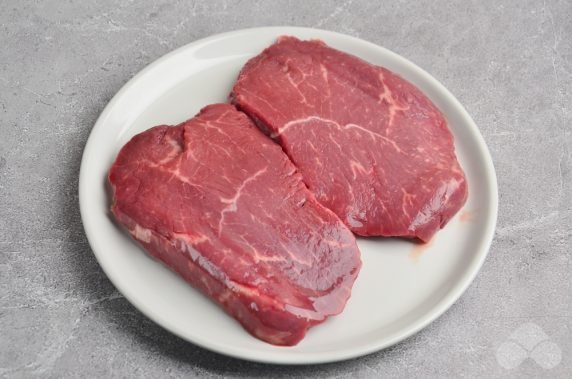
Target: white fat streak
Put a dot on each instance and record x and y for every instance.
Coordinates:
(329, 122)
(232, 202)
(142, 234)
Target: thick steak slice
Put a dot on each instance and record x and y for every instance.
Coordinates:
(222, 205)
(369, 145)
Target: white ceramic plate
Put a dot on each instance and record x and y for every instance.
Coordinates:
(402, 287)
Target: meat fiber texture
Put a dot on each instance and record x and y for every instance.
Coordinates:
(369, 145)
(221, 204)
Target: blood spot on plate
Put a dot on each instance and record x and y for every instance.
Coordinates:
(467, 215)
(419, 249)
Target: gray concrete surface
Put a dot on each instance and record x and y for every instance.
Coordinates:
(509, 63)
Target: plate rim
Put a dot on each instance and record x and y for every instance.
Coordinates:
(316, 358)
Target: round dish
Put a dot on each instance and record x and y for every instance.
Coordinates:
(402, 286)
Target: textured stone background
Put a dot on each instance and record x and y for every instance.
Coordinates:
(509, 63)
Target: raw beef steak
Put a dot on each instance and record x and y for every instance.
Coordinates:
(369, 145)
(222, 205)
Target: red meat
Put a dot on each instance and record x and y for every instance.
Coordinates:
(369, 145)
(223, 206)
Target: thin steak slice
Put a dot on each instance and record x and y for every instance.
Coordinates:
(369, 145)
(222, 205)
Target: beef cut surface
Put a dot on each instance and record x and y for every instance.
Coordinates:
(369, 145)
(222, 205)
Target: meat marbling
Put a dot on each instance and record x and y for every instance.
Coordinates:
(222, 205)
(369, 144)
